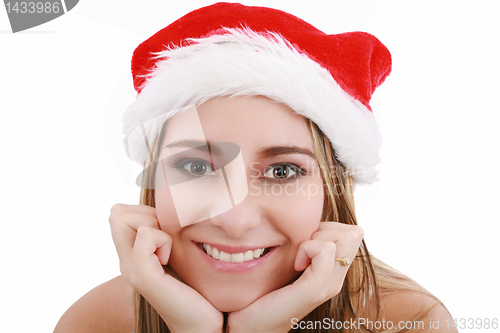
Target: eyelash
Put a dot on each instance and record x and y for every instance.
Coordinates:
(297, 171)
(181, 166)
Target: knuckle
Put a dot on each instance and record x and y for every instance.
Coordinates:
(314, 235)
(115, 219)
(116, 208)
(112, 218)
(142, 230)
(167, 236)
(330, 247)
(357, 232)
(145, 232)
(151, 221)
(115, 213)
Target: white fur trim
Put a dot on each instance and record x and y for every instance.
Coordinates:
(245, 63)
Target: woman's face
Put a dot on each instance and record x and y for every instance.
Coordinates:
(282, 208)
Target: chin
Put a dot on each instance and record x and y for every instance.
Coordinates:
(231, 304)
(232, 300)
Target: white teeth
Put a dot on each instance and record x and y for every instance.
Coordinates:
(215, 253)
(232, 257)
(223, 256)
(248, 256)
(237, 257)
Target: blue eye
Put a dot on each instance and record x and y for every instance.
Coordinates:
(282, 171)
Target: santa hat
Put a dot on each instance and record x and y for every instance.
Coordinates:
(229, 49)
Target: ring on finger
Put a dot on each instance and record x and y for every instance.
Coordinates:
(344, 261)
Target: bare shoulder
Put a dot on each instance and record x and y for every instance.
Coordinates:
(108, 307)
(406, 306)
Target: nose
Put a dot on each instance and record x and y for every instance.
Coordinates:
(244, 216)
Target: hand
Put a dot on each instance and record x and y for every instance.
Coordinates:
(143, 250)
(321, 280)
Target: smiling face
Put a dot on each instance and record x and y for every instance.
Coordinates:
(221, 256)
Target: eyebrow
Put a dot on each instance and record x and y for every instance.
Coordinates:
(204, 146)
(267, 152)
(284, 150)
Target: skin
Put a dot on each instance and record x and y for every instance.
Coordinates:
(300, 274)
(147, 239)
(109, 308)
(261, 220)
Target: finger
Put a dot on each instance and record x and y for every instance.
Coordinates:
(328, 225)
(149, 241)
(134, 220)
(321, 280)
(163, 252)
(124, 228)
(316, 254)
(145, 261)
(123, 238)
(150, 280)
(124, 222)
(311, 288)
(347, 238)
(142, 209)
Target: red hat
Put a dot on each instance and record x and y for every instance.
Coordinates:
(231, 49)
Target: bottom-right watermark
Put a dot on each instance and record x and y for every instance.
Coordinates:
(358, 323)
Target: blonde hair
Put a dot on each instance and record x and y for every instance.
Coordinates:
(368, 278)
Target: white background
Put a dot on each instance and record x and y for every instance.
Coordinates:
(65, 84)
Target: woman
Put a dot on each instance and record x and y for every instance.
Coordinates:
(253, 127)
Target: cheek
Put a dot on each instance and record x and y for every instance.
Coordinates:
(298, 209)
(165, 209)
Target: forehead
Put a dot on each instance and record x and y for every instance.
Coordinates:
(247, 121)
